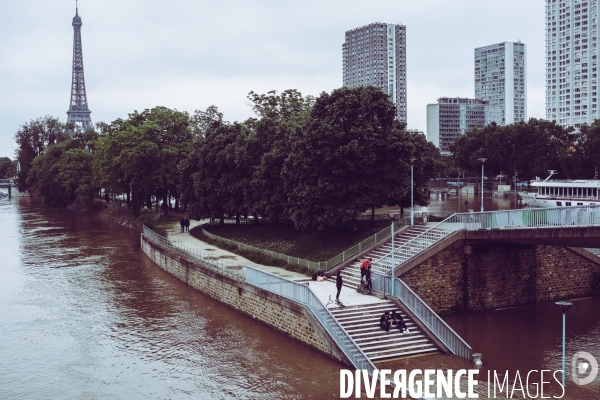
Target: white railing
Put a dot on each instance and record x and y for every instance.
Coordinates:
(579, 216)
(221, 266)
(436, 325)
(314, 265)
(303, 294)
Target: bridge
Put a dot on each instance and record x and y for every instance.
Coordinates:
(7, 184)
(560, 226)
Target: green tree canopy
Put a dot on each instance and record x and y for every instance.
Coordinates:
(353, 156)
(528, 148)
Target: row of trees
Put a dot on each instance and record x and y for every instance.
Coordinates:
(530, 149)
(317, 162)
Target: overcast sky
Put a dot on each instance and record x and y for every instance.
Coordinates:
(190, 54)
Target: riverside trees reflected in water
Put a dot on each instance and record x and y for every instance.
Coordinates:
(83, 314)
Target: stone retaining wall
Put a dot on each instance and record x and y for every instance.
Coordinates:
(494, 275)
(278, 312)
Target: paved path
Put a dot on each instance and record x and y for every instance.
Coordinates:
(175, 235)
(348, 296)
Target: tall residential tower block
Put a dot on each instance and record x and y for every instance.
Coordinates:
(453, 116)
(572, 46)
(376, 55)
(500, 79)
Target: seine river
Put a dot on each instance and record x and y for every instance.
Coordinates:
(84, 315)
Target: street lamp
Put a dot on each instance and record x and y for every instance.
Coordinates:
(564, 305)
(483, 160)
(412, 196)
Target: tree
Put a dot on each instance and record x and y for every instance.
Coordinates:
(353, 156)
(140, 156)
(219, 182)
(5, 167)
(528, 149)
(32, 139)
(281, 117)
(61, 174)
(426, 166)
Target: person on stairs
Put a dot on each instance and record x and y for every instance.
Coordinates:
(399, 322)
(385, 321)
(368, 279)
(364, 266)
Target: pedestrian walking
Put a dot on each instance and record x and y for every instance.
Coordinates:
(338, 283)
(182, 223)
(187, 224)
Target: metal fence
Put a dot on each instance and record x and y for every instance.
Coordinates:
(314, 265)
(580, 216)
(222, 266)
(436, 325)
(304, 295)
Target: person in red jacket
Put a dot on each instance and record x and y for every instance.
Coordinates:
(364, 266)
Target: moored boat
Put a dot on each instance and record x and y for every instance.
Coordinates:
(562, 193)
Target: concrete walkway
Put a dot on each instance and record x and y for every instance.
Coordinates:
(348, 296)
(175, 235)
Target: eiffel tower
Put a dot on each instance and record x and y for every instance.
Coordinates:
(79, 113)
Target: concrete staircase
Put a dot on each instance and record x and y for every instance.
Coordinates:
(362, 324)
(351, 273)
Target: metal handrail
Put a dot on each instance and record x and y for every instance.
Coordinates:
(314, 265)
(508, 219)
(221, 266)
(304, 295)
(436, 325)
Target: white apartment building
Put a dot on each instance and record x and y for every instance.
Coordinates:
(572, 44)
(375, 55)
(501, 79)
(451, 117)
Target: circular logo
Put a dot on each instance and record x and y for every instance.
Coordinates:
(583, 363)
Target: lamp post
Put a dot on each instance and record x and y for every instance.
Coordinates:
(393, 263)
(564, 305)
(483, 160)
(412, 196)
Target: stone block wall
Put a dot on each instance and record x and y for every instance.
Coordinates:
(278, 312)
(468, 276)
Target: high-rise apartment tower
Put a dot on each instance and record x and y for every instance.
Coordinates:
(572, 61)
(376, 55)
(500, 79)
(451, 117)
(79, 113)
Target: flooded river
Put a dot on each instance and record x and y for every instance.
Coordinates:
(83, 314)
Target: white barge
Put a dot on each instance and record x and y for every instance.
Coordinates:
(563, 193)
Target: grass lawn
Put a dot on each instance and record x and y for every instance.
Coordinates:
(309, 245)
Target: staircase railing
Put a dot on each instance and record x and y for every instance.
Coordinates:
(436, 325)
(304, 295)
(419, 243)
(314, 265)
(508, 219)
